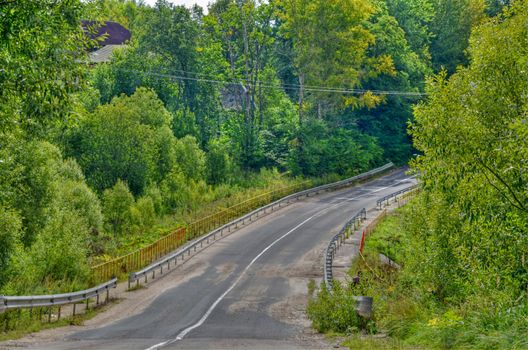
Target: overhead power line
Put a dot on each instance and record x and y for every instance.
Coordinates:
(267, 85)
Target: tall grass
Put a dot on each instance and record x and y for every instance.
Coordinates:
(409, 313)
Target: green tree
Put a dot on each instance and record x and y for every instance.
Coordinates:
(333, 151)
(472, 134)
(117, 202)
(128, 139)
(41, 44)
(330, 43)
(60, 251)
(388, 121)
(10, 229)
(190, 158)
(244, 29)
(218, 163)
(175, 190)
(415, 17)
(451, 28)
(47, 207)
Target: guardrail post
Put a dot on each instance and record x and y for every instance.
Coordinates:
(198, 227)
(73, 312)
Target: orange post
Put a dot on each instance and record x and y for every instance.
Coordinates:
(362, 243)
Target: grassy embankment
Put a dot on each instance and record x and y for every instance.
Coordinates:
(205, 201)
(407, 313)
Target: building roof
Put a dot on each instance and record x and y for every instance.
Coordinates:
(107, 33)
(104, 54)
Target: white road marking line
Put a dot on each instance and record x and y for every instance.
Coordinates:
(186, 331)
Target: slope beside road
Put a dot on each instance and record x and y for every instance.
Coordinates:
(246, 291)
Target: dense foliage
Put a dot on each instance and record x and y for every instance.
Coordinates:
(472, 132)
(463, 242)
(198, 106)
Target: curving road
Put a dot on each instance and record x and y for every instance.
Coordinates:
(248, 290)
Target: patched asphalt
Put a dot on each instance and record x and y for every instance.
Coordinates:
(255, 313)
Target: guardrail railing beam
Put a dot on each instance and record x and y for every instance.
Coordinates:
(8, 303)
(135, 276)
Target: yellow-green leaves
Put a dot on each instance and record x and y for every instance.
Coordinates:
(474, 142)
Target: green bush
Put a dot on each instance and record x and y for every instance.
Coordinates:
(60, 250)
(334, 311)
(10, 230)
(218, 163)
(190, 158)
(142, 214)
(117, 202)
(174, 189)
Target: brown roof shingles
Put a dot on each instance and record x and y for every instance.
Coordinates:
(108, 33)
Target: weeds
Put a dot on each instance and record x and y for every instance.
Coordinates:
(408, 312)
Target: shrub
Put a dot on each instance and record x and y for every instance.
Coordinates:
(334, 312)
(190, 158)
(174, 190)
(117, 202)
(10, 228)
(142, 214)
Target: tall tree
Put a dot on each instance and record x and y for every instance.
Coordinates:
(451, 28)
(245, 28)
(330, 42)
(414, 17)
(41, 44)
(388, 121)
(472, 133)
(129, 139)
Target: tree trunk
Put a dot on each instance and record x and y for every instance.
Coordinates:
(301, 98)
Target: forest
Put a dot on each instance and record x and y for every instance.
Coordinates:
(462, 242)
(206, 105)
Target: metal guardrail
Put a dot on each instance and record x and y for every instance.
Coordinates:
(337, 241)
(36, 301)
(386, 199)
(180, 254)
(364, 303)
(146, 255)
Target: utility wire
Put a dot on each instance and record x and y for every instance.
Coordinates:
(282, 85)
(268, 85)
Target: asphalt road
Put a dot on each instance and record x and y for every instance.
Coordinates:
(251, 290)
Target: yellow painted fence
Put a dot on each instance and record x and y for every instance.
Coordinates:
(136, 260)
